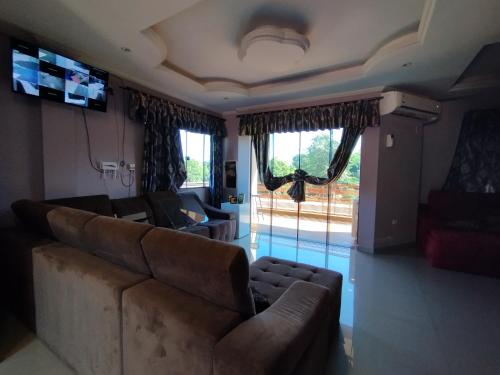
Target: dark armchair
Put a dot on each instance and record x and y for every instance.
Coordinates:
(221, 224)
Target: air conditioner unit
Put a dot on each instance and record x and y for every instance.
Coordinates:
(407, 105)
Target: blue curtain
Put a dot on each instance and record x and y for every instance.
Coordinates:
(476, 164)
(216, 170)
(163, 165)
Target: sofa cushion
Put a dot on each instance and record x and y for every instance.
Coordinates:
(167, 210)
(99, 204)
(213, 270)
(79, 307)
(67, 225)
(271, 277)
(466, 251)
(161, 203)
(191, 201)
(33, 216)
(117, 241)
(168, 331)
(277, 340)
(125, 207)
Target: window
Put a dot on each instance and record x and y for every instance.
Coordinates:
(196, 152)
(328, 215)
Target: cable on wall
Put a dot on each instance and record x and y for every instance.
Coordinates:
(89, 151)
(122, 172)
(131, 175)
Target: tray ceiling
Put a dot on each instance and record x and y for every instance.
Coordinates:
(189, 48)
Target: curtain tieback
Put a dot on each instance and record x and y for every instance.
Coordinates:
(297, 191)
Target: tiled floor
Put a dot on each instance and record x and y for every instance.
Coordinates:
(399, 316)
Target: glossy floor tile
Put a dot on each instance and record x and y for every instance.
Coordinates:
(399, 316)
(21, 353)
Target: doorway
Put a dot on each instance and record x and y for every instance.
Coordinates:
(329, 214)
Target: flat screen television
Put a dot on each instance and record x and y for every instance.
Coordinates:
(39, 72)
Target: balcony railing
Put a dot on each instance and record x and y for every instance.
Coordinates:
(335, 201)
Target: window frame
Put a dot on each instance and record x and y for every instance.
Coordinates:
(205, 179)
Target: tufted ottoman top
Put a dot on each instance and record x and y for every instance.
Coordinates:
(270, 277)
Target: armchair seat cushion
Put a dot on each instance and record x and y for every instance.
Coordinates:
(219, 229)
(197, 229)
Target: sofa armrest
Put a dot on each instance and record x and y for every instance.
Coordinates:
(215, 213)
(274, 341)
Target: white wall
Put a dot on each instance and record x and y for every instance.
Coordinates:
(21, 153)
(389, 185)
(67, 169)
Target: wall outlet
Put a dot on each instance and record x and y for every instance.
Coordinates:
(131, 167)
(108, 169)
(109, 166)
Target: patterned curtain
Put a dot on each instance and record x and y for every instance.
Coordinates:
(163, 166)
(353, 117)
(476, 164)
(216, 170)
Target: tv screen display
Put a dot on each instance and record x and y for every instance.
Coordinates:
(39, 72)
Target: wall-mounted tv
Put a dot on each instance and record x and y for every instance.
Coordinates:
(40, 72)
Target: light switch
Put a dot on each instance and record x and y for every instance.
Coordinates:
(389, 140)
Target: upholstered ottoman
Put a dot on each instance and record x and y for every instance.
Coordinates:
(271, 277)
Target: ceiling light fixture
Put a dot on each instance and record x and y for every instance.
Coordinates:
(272, 48)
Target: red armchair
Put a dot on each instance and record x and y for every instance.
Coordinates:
(461, 231)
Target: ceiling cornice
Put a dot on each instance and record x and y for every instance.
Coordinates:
(311, 80)
(318, 100)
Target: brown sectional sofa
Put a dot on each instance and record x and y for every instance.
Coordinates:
(117, 297)
(16, 243)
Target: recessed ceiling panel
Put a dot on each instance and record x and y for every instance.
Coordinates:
(204, 39)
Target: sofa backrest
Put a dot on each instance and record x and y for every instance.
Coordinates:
(462, 205)
(163, 203)
(33, 216)
(118, 241)
(191, 201)
(67, 225)
(214, 270)
(115, 240)
(99, 204)
(133, 209)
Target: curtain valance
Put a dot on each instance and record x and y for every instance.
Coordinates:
(333, 116)
(144, 107)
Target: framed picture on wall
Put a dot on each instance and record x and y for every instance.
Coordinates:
(230, 174)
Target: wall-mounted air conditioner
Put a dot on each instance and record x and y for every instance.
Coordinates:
(407, 105)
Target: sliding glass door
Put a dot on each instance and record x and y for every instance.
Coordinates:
(328, 214)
